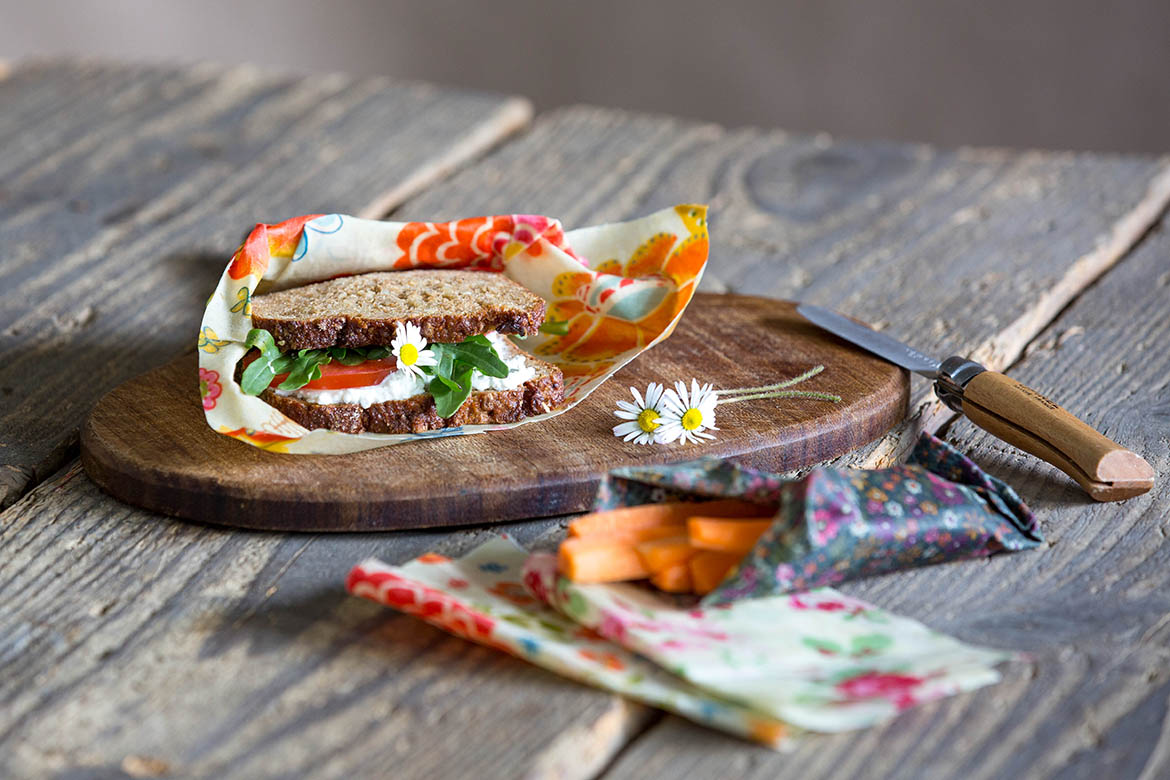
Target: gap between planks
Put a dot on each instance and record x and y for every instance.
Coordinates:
(510, 121)
(1009, 345)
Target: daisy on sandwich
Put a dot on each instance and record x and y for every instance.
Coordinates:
(410, 349)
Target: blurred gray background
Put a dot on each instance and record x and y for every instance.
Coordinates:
(1076, 74)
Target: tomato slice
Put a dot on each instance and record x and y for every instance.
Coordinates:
(335, 376)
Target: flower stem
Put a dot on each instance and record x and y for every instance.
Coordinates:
(782, 394)
(778, 386)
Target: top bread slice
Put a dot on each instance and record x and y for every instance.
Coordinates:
(364, 311)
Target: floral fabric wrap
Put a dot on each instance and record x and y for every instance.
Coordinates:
(841, 524)
(836, 525)
(613, 291)
(766, 669)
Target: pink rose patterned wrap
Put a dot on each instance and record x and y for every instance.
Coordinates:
(768, 669)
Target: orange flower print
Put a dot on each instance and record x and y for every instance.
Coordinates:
(769, 732)
(606, 659)
(476, 243)
(284, 237)
(627, 304)
(209, 387)
(251, 259)
(433, 558)
(266, 441)
(583, 632)
(265, 242)
(513, 592)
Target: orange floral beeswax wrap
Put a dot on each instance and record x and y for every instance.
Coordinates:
(613, 291)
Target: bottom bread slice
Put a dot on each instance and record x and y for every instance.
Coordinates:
(543, 393)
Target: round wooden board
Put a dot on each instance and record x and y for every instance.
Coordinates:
(146, 442)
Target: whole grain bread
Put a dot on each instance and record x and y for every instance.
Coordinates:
(448, 306)
(543, 393)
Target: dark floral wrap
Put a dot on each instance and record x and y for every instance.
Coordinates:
(835, 525)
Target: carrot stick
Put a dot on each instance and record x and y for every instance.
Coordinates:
(731, 536)
(708, 569)
(675, 579)
(666, 514)
(600, 560)
(659, 554)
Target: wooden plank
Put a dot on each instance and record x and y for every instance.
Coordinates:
(237, 654)
(1092, 608)
(125, 189)
(816, 222)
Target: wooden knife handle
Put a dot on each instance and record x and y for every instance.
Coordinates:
(1026, 419)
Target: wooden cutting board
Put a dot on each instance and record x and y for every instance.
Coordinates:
(146, 442)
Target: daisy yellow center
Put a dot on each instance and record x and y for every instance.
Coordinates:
(648, 420)
(692, 419)
(408, 354)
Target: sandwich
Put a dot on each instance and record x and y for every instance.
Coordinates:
(400, 352)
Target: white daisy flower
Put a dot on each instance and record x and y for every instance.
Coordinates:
(687, 416)
(410, 348)
(643, 415)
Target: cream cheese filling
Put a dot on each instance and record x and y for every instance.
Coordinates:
(406, 384)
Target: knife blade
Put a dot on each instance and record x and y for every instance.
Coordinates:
(1008, 410)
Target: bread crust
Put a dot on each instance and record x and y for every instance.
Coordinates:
(447, 306)
(543, 393)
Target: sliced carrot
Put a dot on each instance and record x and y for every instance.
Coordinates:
(708, 569)
(659, 554)
(630, 518)
(675, 579)
(722, 535)
(609, 557)
(667, 514)
(600, 560)
(637, 536)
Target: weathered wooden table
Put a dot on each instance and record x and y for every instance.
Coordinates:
(136, 644)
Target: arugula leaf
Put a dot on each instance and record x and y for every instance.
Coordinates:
(261, 371)
(348, 357)
(257, 377)
(451, 375)
(306, 368)
(450, 393)
(479, 355)
(377, 353)
(445, 366)
(261, 340)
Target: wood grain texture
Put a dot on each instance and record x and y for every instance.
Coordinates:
(1028, 420)
(183, 468)
(950, 249)
(239, 654)
(124, 190)
(1092, 608)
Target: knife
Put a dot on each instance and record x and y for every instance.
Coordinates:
(1009, 411)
